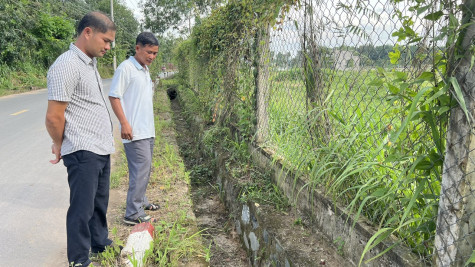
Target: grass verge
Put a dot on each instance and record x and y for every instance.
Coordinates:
(25, 78)
(177, 239)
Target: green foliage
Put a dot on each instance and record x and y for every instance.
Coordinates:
(182, 56)
(164, 15)
(54, 34)
(260, 189)
(388, 120)
(471, 260)
(340, 243)
(17, 19)
(110, 257)
(35, 33)
(32, 35)
(172, 242)
(425, 100)
(256, 184)
(24, 77)
(216, 61)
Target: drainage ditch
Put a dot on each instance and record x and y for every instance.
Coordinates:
(241, 231)
(212, 216)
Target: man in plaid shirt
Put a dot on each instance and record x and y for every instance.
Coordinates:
(78, 121)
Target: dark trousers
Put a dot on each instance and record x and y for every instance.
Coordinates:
(86, 223)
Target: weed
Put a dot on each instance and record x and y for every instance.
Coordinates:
(298, 221)
(134, 261)
(120, 169)
(261, 189)
(340, 243)
(176, 241)
(208, 253)
(201, 174)
(110, 256)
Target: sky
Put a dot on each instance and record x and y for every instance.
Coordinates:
(134, 5)
(334, 26)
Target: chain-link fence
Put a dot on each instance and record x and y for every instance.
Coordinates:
(370, 100)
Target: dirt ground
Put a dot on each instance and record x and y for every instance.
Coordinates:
(212, 216)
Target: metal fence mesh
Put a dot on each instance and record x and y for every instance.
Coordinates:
(347, 106)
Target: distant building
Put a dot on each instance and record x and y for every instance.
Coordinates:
(345, 60)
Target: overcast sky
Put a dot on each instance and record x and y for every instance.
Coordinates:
(331, 25)
(135, 6)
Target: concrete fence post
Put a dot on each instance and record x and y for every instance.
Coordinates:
(455, 236)
(262, 85)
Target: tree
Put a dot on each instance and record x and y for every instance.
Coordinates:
(127, 28)
(282, 60)
(54, 33)
(162, 15)
(17, 19)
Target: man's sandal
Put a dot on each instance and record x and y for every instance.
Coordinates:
(152, 207)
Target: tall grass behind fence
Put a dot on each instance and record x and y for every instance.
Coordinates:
(351, 105)
(370, 100)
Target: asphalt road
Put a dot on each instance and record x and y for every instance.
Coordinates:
(34, 194)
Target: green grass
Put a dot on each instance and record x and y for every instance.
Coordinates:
(357, 164)
(177, 239)
(371, 140)
(120, 169)
(24, 78)
(27, 77)
(110, 257)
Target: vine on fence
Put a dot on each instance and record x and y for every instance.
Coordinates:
(219, 49)
(427, 94)
(392, 176)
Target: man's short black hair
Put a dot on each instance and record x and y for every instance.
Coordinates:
(146, 38)
(97, 21)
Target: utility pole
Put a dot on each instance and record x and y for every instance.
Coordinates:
(113, 43)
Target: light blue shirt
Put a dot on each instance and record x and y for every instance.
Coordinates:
(134, 87)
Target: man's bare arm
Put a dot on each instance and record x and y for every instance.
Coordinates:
(55, 122)
(126, 129)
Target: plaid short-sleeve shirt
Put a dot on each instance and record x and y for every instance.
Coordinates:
(74, 78)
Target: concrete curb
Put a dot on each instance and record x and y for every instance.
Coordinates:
(138, 242)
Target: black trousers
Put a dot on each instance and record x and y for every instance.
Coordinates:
(86, 223)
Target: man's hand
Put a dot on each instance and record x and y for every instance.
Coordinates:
(57, 152)
(126, 131)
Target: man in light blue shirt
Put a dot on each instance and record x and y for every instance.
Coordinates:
(131, 97)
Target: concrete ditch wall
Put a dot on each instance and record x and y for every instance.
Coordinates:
(332, 220)
(264, 247)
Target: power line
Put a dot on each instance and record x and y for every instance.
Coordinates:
(134, 6)
(132, 3)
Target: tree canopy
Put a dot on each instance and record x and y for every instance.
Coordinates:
(162, 15)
